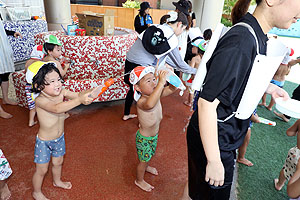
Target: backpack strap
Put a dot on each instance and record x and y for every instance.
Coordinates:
(251, 31)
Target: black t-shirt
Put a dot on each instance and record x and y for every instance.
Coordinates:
(228, 72)
(137, 24)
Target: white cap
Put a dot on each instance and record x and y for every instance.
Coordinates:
(137, 74)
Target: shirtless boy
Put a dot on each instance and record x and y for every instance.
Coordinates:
(147, 93)
(50, 109)
(52, 48)
(279, 77)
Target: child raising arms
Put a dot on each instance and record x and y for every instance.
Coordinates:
(50, 109)
(147, 93)
(292, 163)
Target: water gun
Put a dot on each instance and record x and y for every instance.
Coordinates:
(266, 121)
(102, 88)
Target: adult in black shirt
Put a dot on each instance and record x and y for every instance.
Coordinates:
(212, 144)
(143, 20)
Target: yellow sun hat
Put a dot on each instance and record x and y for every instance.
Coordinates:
(33, 69)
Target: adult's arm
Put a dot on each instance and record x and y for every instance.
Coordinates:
(208, 128)
(175, 60)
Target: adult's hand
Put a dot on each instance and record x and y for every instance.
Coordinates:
(215, 173)
(17, 34)
(276, 92)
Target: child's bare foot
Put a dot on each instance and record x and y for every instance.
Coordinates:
(277, 187)
(187, 103)
(144, 186)
(10, 102)
(39, 196)
(262, 104)
(130, 116)
(31, 124)
(5, 193)
(245, 162)
(152, 170)
(5, 115)
(281, 116)
(63, 185)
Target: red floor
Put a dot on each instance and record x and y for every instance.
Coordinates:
(101, 156)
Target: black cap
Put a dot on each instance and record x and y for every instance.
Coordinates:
(144, 5)
(182, 6)
(154, 41)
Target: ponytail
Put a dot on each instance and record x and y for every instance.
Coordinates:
(177, 17)
(240, 9)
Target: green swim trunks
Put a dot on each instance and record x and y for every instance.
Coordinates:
(145, 146)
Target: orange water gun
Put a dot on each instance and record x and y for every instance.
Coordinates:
(101, 88)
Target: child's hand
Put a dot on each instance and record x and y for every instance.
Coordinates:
(85, 97)
(162, 76)
(67, 65)
(169, 67)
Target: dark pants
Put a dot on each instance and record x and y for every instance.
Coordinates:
(199, 189)
(129, 96)
(296, 95)
(4, 77)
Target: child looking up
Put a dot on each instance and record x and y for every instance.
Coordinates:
(52, 48)
(50, 109)
(292, 163)
(147, 93)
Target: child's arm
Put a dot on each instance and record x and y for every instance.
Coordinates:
(168, 90)
(61, 70)
(65, 106)
(293, 187)
(152, 100)
(293, 130)
(294, 62)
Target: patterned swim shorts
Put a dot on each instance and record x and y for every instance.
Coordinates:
(145, 146)
(44, 149)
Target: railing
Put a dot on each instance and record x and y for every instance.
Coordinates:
(124, 17)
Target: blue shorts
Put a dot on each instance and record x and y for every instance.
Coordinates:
(45, 148)
(278, 83)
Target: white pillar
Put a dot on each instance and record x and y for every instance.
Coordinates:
(57, 12)
(208, 13)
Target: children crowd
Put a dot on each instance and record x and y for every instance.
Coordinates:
(175, 45)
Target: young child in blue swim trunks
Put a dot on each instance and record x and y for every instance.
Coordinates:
(50, 107)
(147, 93)
(279, 77)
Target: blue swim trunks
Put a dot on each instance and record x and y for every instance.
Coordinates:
(278, 83)
(45, 148)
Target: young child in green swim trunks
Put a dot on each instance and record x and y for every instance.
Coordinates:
(147, 93)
